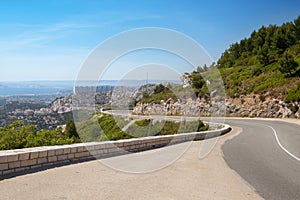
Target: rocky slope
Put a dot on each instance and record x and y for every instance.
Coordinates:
(61, 105)
(252, 105)
(246, 106)
(116, 97)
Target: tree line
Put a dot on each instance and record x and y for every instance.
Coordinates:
(267, 45)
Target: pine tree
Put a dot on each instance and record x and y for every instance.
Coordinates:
(297, 27)
(71, 129)
(288, 65)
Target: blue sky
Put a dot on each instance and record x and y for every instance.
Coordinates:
(49, 40)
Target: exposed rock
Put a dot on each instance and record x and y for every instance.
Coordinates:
(186, 80)
(148, 88)
(171, 107)
(117, 96)
(62, 104)
(248, 106)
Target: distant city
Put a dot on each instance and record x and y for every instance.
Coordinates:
(48, 104)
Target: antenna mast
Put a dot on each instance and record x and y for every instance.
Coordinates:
(147, 79)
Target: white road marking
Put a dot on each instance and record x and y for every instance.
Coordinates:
(124, 129)
(282, 147)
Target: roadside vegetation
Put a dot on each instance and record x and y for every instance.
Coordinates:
(110, 128)
(18, 135)
(294, 94)
(148, 127)
(168, 92)
(161, 92)
(107, 127)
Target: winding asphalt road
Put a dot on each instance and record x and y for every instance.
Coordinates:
(266, 155)
(270, 165)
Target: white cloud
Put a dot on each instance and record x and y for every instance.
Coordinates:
(38, 35)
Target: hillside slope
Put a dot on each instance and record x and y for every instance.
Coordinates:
(266, 62)
(261, 75)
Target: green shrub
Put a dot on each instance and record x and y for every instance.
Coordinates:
(262, 97)
(157, 97)
(71, 129)
(293, 95)
(166, 128)
(144, 122)
(89, 130)
(111, 129)
(256, 71)
(17, 136)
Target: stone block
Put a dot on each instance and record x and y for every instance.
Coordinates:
(67, 151)
(90, 147)
(81, 149)
(3, 159)
(100, 146)
(12, 158)
(42, 160)
(36, 166)
(113, 150)
(52, 159)
(24, 156)
(127, 148)
(34, 155)
(22, 169)
(119, 144)
(51, 152)
(25, 163)
(126, 144)
(48, 164)
(97, 152)
(73, 149)
(16, 164)
(133, 147)
(43, 154)
(3, 166)
(71, 156)
(82, 154)
(8, 171)
(62, 157)
(59, 151)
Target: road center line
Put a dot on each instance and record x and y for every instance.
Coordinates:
(281, 146)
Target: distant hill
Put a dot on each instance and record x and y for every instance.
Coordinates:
(267, 62)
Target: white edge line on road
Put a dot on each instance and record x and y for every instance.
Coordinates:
(282, 147)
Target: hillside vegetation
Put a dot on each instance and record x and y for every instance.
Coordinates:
(18, 135)
(108, 127)
(266, 62)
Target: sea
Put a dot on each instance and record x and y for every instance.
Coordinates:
(23, 88)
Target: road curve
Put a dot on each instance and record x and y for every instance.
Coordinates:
(187, 179)
(266, 155)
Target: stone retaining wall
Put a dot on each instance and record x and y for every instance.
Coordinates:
(14, 161)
